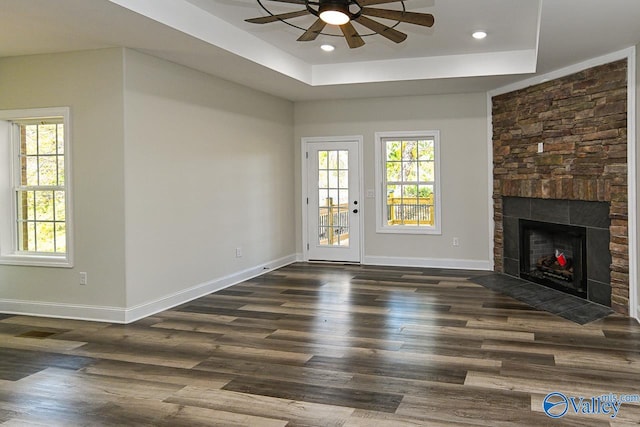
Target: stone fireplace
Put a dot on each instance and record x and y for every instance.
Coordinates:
(560, 157)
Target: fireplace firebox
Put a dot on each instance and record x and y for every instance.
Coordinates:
(554, 255)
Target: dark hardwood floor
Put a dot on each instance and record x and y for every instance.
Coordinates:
(321, 345)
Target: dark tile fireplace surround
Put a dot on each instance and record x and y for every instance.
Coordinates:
(580, 218)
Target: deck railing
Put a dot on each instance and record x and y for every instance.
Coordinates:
(333, 223)
(410, 211)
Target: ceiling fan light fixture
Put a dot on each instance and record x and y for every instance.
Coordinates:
(328, 47)
(334, 12)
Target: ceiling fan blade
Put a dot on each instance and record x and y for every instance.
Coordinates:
(388, 32)
(280, 17)
(351, 35)
(291, 1)
(313, 31)
(424, 19)
(372, 2)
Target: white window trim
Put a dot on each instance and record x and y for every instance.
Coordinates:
(381, 226)
(8, 233)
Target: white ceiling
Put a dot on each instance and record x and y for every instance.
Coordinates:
(524, 37)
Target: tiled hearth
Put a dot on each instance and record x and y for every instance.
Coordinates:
(567, 306)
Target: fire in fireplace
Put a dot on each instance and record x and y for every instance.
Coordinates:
(554, 255)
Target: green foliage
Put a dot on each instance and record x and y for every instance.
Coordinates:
(423, 192)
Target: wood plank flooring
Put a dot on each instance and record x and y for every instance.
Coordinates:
(320, 345)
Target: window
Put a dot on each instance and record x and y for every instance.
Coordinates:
(36, 226)
(407, 170)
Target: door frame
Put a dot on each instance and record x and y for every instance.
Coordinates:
(304, 141)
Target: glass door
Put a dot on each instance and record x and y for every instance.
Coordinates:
(333, 207)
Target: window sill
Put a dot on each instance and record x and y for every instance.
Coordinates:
(36, 261)
(409, 230)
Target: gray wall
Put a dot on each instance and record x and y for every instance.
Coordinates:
(89, 82)
(172, 171)
(636, 139)
(209, 168)
(462, 122)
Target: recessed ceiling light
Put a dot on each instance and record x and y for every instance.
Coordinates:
(328, 47)
(479, 35)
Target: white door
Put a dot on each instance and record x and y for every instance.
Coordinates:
(333, 208)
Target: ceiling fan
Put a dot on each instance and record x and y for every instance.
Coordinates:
(341, 13)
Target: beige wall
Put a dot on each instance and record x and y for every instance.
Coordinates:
(636, 138)
(172, 171)
(209, 168)
(91, 84)
(462, 122)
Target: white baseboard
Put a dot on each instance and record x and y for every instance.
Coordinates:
(458, 264)
(131, 314)
(62, 311)
(151, 307)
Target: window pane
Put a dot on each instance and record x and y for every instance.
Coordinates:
(25, 205)
(343, 159)
(30, 175)
(425, 192)
(45, 237)
(343, 179)
(393, 191)
(26, 236)
(44, 206)
(393, 214)
(343, 198)
(61, 237)
(333, 160)
(47, 143)
(59, 211)
(60, 139)
(409, 191)
(394, 171)
(409, 171)
(426, 150)
(393, 150)
(60, 170)
(48, 170)
(409, 150)
(322, 160)
(323, 196)
(323, 179)
(410, 214)
(322, 235)
(426, 171)
(333, 179)
(30, 139)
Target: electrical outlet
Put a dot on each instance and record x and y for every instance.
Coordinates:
(540, 147)
(83, 278)
(238, 252)
(456, 241)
